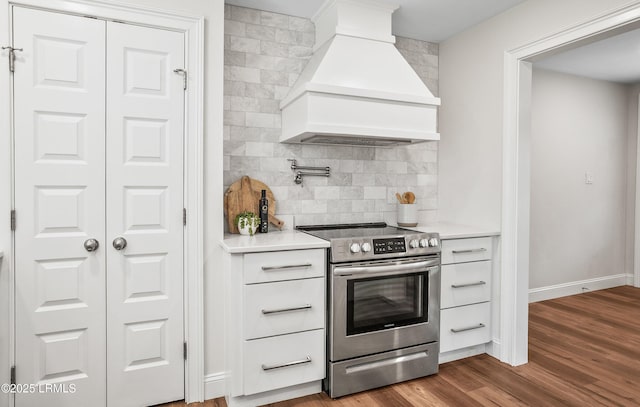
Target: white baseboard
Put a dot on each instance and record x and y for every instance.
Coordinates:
(577, 287)
(214, 385)
(461, 353)
(630, 279)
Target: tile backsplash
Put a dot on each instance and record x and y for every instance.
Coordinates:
(264, 54)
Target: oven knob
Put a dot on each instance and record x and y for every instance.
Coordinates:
(355, 248)
(414, 244)
(424, 243)
(366, 247)
(433, 242)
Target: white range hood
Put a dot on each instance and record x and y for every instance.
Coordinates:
(357, 89)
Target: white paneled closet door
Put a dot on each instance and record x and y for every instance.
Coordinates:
(98, 147)
(59, 104)
(145, 100)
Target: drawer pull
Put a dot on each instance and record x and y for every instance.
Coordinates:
(285, 267)
(482, 249)
(294, 363)
(275, 311)
(468, 284)
(469, 328)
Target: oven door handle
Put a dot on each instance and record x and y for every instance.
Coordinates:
(390, 269)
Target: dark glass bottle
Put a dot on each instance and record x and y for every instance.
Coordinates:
(264, 213)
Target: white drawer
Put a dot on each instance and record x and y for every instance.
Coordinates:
(283, 307)
(463, 250)
(284, 265)
(465, 283)
(465, 326)
(282, 361)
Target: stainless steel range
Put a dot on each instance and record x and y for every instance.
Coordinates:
(384, 305)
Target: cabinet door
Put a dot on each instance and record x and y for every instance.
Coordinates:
(283, 307)
(465, 250)
(465, 283)
(59, 194)
(145, 105)
(282, 361)
(465, 326)
(284, 265)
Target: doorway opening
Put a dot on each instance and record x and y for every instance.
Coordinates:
(516, 210)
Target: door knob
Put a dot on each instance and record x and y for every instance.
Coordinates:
(91, 245)
(119, 243)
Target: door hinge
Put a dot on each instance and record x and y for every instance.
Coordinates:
(13, 375)
(13, 219)
(184, 77)
(184, 350)
(184, 216)
(12, 57)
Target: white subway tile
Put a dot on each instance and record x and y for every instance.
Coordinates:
(260, 32)
(243, 44)
(247, 15)
(238, 73)
(261, 120)
(274, 19)
(236, 28)
(375, 192)
(259, 149)
(329, 192)
(301, 24)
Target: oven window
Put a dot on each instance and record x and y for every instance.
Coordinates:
(379, 303)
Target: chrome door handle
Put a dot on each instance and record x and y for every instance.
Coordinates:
(286, 267)
(297, 362)
(482, 249)
(393, 268)
(468, 284)
(469, 328)
(91, 245)
(119, 243)
(275, 311)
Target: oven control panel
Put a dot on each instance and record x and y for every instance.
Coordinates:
(384, 247)
(389, 245)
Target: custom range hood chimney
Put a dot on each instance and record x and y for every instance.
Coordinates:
(357, 89)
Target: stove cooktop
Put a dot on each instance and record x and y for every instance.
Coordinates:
(339, 231)
(371, 241)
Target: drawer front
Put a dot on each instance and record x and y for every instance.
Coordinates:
(282, 361)
(465, 283)
(465, 326)
(283, 307)
(283, 265)
(463, 250)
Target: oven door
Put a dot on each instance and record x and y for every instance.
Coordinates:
(383, 305)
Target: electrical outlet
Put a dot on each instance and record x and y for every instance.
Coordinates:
(588, 178)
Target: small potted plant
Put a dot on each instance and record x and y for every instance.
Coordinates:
(247, 223)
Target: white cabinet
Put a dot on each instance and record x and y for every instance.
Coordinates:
(465, 304)
(275, 325)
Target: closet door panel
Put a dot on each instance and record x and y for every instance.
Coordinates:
(59, 103)
(145, 105)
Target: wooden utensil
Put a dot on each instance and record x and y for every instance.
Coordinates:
(409, 197)
(400, 198)
(244, 195)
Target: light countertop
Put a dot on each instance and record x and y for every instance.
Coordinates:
(454, 231)
(272, 241)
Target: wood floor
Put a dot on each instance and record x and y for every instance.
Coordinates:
(584, 350)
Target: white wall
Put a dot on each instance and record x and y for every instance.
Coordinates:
(578, 230)
(471, 89)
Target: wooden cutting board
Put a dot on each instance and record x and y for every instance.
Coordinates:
(244, 195)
